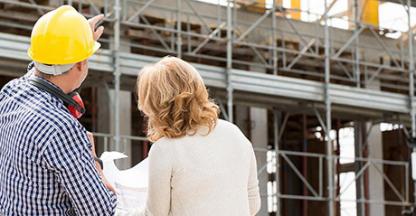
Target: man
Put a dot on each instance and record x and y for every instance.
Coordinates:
(46, 161)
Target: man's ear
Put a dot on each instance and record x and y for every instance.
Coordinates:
(80, 66)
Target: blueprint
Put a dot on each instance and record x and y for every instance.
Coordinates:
(131, 184)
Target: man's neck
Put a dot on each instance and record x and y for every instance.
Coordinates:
(58, 81)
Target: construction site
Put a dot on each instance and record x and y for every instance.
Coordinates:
(324, 89)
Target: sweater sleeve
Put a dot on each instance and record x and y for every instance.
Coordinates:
(159, 191)
(253, 186)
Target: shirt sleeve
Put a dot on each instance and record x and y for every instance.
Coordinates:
(253, 186)
(69, 155)
(159, 191)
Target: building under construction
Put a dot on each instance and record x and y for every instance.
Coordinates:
(324, 91)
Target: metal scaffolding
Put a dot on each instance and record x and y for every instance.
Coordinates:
(319, 66)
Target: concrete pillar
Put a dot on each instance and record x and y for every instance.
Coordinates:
(375, 151)
(242, 119)
(106, 122)
(375, 178)
(125, 126)
(103, 118)
(259, 138)
(253, 123)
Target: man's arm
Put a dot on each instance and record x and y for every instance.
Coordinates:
(98, 166)
(69, 155)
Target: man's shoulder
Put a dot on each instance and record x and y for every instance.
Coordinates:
(47, 119)
(39, 105)
(13, 85)
(17, 82)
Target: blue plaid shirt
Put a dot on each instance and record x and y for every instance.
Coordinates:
(46, 166)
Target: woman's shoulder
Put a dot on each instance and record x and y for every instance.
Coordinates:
(222, 127)
(226, 124)
(232, 134)
(227, 127)
(163, 144)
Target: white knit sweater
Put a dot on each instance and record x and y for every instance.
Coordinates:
(203, 175)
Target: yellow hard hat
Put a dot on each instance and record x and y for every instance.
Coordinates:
(62, 36)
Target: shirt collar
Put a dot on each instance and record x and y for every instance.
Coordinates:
(31, 70)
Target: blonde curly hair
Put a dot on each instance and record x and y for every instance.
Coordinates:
(173, 96)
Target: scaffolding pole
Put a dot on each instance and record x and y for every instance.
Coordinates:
(358, 133)
(411, 84)
(331, 204)
(179, 29)
(357, 45)
(274, 50)
(276, 150)
(229, 61)
(117, 74)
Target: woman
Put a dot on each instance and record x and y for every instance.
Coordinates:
(199, 165)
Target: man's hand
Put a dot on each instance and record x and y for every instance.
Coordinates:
(91, 139)
(93, 22)
(107, 184)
